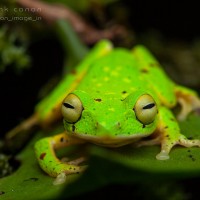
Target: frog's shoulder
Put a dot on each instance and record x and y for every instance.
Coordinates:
(155, 76)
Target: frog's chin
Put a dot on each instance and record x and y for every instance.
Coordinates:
(111, 141)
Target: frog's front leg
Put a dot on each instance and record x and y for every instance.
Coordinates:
(188, 100)
(45, 153)
(170, 135)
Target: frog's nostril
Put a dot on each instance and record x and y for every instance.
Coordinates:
(118, 125)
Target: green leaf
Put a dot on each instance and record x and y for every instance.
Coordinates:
(29, 181)
(12, 55)
(126, 165)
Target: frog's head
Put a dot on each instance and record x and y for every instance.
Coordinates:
(109, 120)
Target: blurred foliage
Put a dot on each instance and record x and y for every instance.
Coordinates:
(7, 8)
(82, 5)
(13, 39)
(176, 56)
(17, 32)
(11, 53)
(5, 167)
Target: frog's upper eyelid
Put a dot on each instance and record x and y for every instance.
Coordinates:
(67, 105)
(148, 106)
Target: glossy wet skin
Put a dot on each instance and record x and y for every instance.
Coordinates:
(108, 95)
(115, 97)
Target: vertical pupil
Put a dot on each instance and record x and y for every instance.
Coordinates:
(151, 105)
(67, 105)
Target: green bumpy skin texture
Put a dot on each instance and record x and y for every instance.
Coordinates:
(110, 91)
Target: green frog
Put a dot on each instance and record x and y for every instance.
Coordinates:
(114, 97)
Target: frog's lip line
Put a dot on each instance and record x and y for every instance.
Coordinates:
(106, 140)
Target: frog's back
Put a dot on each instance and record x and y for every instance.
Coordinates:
(155, 76)
(116, 73)
(122, 72)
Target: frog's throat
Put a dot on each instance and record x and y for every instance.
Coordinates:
(110, 141)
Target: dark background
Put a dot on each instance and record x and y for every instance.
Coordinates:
(175, 20)
(178, 20)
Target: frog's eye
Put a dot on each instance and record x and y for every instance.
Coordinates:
(71, 108)
(145, 109)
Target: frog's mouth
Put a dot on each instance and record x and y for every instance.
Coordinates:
(110, 141)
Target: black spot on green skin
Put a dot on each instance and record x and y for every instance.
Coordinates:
(143, 126)
(166, 128)
(144, 70)
(124, 92)
(2, 192)
(98, 100)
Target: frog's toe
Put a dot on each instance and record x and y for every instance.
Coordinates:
(163, 155)
(60, 179)
(189, 143)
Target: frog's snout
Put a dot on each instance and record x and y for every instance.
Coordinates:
(107, 126)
